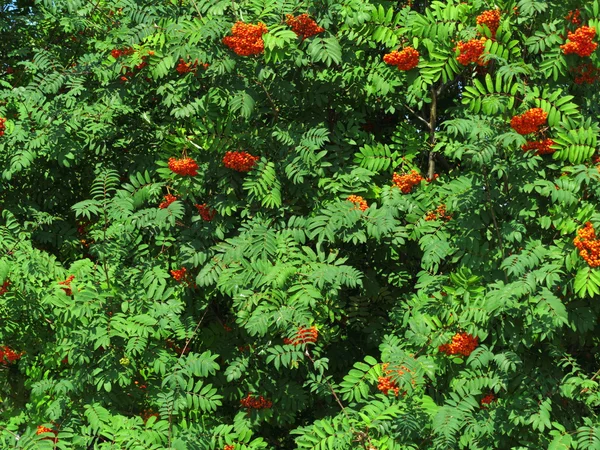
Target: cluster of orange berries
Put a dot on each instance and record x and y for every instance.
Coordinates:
(246, 38)
(438, 214)
(67, 284)
(167, 201)
(491, 18)
(462, 344)
(147, 413)
(386, 384)
(471, 51)
(2, 125)
(179, 274)
(239, 161)
(406, 59)
(229, 447)
(8, 355)
(573, 17)
(303, 336)
(303, 25)
(251, 402)
(408, 181)
(183, 166)
(186, 67)
(529, 121)
(205, 212)
(585, 73)
(581, 42)
(542, 147)
(4, 287)
(486, 400)
(117, 53)
(360, 202)
(588, 245)
(42, 429)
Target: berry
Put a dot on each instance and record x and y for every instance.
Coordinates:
(8, 355)
(491, 18)
(179, 274)
(385, 383)
(438, 214)
(360, 202)
(67, 283)
(573, 17)
(588, 245)
(124, 361)
(246, 38)
(4, 287)
(2, 126)
(168, 200)
(408, 181)
(406, 59)
(303, 336)
(147, 413)
(186, 67)
(581, 42)
(585, 73)
(471, 52)
(251, 402)
(529, 121)
(206, 213)
(462, 344)
(542, 147)
(303, 25)
(239, 161)
(229, 447)
(183, 166)
(489, 398)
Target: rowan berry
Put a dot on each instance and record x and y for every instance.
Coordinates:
(462, 344)
(229, 447)
(183, 166)
(407, 182)
(251, 402)
(67, 284)
(42, 429)
(471, 51)
(581, 42)
(147, 413)
(2, 126)
(168, 200)
(542, 147)
(486, 400)
(406, 59)
(529, 121)
(491, 18)
(206, 212)
(239, 161)
(179, 274)
(585, 73)
(438, 214)
(573, 17)
(4, 287)
(588, 245)
(360, 202)
(8, 355)
(246, 38)
(303, 25)
(186, 67)
(303, 336)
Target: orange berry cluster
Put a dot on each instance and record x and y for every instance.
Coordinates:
(247, 38)
(2, 125)
(303, 336)
(406, 59)
(529, 121)
(491, 18)
(581, 42)
(588, 245)
(489, 398)
(251, 402)
(179, 274)
(360, 202)
(8, 355)
(585, 73)
(147, 413)
(408, 181)
(183, 166)
(229, 447)
(206, 213)
(4, 287)
(386, 384)
(438, 213)
(168, 200)
(573, 17)
(303, 25)
(117, 53)
(42, 429)
(239, 161)
(462, 344)
(542, 147)
(186, 67)
(471, 52)
(67, 284)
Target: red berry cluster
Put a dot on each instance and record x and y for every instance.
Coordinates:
(486, 400)
(246, 38)
(573, 17)
(251, 402)
(67, 284)
(147, 413)
(229, 447)
(303, 336)
(462, 344)
(438, 214)
(491, 18)
(408, 181)
(168, 200)
(360, 202)
(386, 384)
(239, 161)
(4, 287)
(8, 355)
(588, 245)
(529, 121)
(2, 126)
(183, 166)
(581, 42)
(471, 52)
(42, 429)
(179, 274)
(117, 53)
(206, 212)
(303, 25)
(542, 147)
(406, 59)
(186, 67)
(585, 73)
